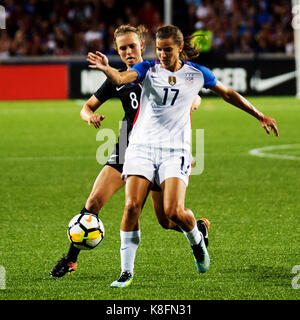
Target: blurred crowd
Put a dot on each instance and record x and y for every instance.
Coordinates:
(245, 26)
(74, 27)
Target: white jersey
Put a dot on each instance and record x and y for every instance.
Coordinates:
(164, 118)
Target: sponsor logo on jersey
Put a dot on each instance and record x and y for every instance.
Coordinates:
(119, 88)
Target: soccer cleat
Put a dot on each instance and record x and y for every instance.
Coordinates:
(202, 260)
(62, 267)
(203, 226)
(124, 280)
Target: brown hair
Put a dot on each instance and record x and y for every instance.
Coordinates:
(140, 31)
(171, 31)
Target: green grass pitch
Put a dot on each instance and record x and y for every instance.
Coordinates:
(48, 167)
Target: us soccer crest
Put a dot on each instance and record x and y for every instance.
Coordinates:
(189, 79)
(172, 80)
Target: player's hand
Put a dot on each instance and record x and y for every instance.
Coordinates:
(267, 122)
(196, 103)
(97, 60)
(95, 120)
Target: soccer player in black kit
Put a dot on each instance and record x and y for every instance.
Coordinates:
(129, 43)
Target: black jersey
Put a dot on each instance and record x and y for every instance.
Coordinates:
(129, 94)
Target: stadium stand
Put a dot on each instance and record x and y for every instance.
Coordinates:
(74, 27)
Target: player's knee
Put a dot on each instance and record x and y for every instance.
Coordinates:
(174, 212)
(132, 208)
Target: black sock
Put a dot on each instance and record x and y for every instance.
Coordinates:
(84, 210)
(73, 253)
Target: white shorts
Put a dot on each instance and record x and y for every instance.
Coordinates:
(157, 164)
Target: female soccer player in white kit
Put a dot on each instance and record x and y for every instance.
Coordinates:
(159, 145)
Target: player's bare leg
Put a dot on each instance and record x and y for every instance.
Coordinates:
(137, 189)
(136, 192)
(174, 196)
(158, 206)
(174, 190)
(106, 185)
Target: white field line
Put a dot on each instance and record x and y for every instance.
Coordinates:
(80, 102)
(46, 158)
(264, 152)
(259, 152)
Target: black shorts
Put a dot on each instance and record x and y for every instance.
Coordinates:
(116, 161)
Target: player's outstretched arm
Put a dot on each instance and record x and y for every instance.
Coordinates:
(88, 114)
(239, 101)
(99, 61)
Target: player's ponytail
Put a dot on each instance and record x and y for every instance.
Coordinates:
(189, 52)
(171, 31)
(140, 30)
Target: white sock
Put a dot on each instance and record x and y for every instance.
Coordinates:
(194, 236)
(129, 243)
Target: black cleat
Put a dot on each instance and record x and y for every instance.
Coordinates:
(202, 260)
(63, 266)
(124, 280)
(203, 226)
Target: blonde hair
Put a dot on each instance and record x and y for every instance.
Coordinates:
(141, 31)
(171, 31)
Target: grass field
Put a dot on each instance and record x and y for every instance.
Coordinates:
(48, 166)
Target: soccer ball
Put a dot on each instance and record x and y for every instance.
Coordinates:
(85, 231)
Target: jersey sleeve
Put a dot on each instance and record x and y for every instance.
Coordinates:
(105, 92)
(142, 68)
(210, 79)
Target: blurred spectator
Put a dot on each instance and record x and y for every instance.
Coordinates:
(94, 35)
(19, 45)
(203, 11)
(5, 44)
(147, 13)
(156, 23)
(289, 46)
(247, 43)
(264, 39)
(63, 27)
